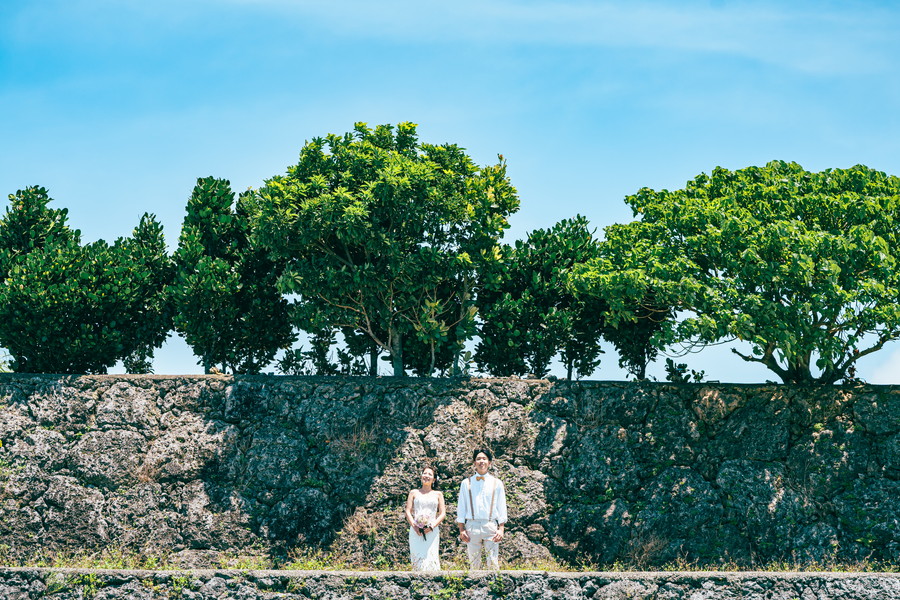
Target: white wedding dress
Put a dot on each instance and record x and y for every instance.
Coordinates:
(424, 551)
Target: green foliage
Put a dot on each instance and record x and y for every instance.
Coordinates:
(678, 373)
(358, 346)
(634, 337)
(635, 314)
(384, 236)
(529, 313)
(56, 583)
(435, 349)
(497, 587)
(29, 225)
(180, 583)
(319, 359)
(228, 307)
(632, 312)
(68, 308)
(800, 265)
(89, 583)
(453, 587)
(315, 559)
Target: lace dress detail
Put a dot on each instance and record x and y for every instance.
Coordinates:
(425, 552)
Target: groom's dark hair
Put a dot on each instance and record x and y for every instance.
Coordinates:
(486, 453)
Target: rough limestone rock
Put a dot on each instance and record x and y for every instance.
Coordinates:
(206, 467)
(72, 584)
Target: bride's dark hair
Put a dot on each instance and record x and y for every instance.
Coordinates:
(434, 484)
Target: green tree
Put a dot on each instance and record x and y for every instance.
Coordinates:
(635, 318)
(634, 337)
(384, 234)
(29, 225)
(326, 357)
(227, 304)
(68, 308)
(144, 300)
(529, 313)
(362, 346)
(801, 265)
(434, 347)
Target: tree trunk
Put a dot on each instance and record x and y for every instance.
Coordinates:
(397, 355)
(433, 360)
(373, 360)
(456, 367)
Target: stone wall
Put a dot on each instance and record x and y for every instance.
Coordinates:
(209, 466)
(65, 584)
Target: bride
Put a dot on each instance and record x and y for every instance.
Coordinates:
(424, 512)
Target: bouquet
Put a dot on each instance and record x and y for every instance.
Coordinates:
(421, 523)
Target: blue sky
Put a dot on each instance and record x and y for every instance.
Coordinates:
(118, 106)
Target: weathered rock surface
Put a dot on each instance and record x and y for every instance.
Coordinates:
(596, 472)
(66, 584)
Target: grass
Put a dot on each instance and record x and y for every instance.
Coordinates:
(245, 562)
(109, 558)
(782, 566)
(315, 559)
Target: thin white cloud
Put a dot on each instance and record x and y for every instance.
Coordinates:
(816, 38)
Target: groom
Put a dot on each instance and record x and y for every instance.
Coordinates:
(481, 512)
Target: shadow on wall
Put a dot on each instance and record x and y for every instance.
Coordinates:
(203, 465)
(595, 472)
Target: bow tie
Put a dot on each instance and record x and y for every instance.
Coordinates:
(479, 478)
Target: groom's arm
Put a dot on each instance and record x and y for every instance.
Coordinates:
(501, 503)
(461, 512)
(461, 506)
(501, 511)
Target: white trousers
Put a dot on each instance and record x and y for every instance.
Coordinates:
(480, 533)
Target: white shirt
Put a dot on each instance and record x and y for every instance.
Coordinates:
(481, 498)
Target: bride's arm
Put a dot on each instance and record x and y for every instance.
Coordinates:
(442, 510)
(409, 509)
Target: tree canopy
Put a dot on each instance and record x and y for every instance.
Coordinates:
(227, 305)
(530, 316)
(383, 235)
(68, 308)
(392, 244)
(801, 265)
